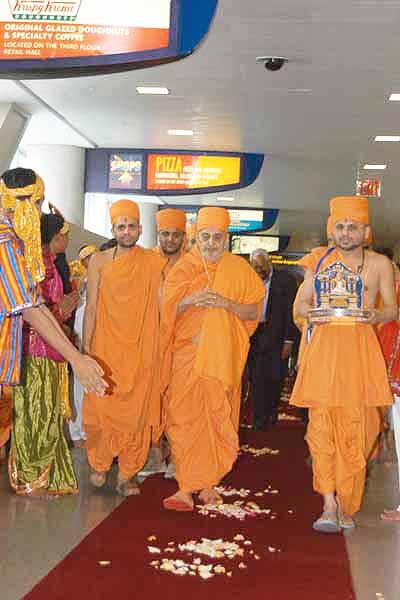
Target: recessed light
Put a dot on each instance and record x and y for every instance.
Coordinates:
(394, 97)
(180, 132)
(225, 198)
(371, 167)
(387, 138)
(156, 91)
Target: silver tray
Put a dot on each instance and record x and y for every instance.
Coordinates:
(325, 315)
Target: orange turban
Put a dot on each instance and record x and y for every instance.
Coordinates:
(354, 208)
(124, 208)
(213, 216)
(171, 218)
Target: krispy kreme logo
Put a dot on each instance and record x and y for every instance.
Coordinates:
(45, 10)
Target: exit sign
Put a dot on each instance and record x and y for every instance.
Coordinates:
(369, 188)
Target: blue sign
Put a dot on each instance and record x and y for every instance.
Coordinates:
(125, 171)
(99, 178)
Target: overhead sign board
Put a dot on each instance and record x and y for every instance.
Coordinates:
(246, 244)
(369, 188)
(49, 38)
(125, 171)
(175, 172)
(246, 220)
(286, 259)
(45, 29)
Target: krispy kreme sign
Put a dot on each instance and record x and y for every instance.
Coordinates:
(44, 10)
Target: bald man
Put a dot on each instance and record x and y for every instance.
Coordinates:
(121, 328)
(211, 305)
(272, 342)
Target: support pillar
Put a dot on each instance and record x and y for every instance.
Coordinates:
(13, 123)
(62, 169)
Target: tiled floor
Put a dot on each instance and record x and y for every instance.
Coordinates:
(374, 547)
(36, 534)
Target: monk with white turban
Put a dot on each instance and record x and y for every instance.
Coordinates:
(342, 376)
(212, 301)
(121, 329)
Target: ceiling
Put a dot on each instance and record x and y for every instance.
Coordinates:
(314, 120)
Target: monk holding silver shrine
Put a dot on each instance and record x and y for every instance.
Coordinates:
(342, 376)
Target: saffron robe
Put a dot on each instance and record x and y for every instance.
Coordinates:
(204, 355)
(342, 380)
(126, 343)
(157, 432)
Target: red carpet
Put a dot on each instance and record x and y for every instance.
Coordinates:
(310, 566)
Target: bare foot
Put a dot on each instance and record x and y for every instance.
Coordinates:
(127, 487)
(391, 515)
(98, 478)
(210, 496)
(181, 501)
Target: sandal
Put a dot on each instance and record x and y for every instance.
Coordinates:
(327, 522)
(345, 521)
(174, 503)
(391, 514)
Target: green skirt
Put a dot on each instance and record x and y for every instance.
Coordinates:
(40, 459)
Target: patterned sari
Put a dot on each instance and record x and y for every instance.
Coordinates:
(40, 459)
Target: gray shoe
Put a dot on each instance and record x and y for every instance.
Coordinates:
(170, 472)
(327, 523)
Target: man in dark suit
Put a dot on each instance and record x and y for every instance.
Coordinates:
(272, 342)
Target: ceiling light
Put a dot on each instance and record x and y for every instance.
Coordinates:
(394, 98)
(387, 138)
(180, 132)
(156, 91)
(370, 167)
(225, 198)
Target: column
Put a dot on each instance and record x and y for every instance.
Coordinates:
(148, 239)
(62, 169)
(12, 126)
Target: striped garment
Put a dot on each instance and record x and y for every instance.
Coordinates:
(17, 292)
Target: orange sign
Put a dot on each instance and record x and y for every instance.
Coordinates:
(369, 187)
(43, 29)
(188, 171)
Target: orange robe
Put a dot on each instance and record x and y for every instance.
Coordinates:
(157, 432)
(126, 343)
(204, 354)
(342, 380)
(5, 414)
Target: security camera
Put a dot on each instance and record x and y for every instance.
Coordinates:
(272, 63)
